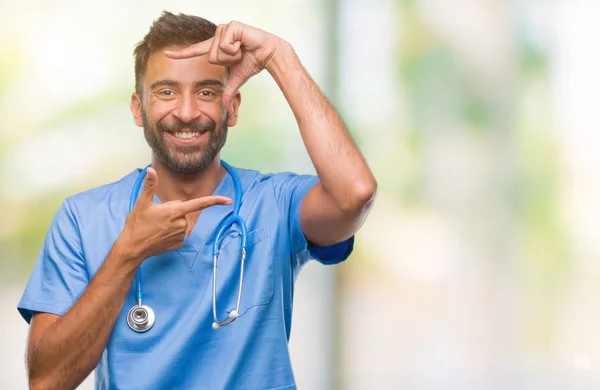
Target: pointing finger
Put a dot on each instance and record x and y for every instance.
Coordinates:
(195, 50)
(201, 203)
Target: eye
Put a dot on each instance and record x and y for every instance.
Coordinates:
(206, 94)
(166, 92)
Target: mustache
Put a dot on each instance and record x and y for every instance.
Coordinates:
(180, 125)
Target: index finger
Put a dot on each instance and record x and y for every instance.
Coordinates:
(195, 50)
(201, 203)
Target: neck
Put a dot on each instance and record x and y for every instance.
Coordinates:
(176, 186)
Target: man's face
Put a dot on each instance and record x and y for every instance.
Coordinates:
(181, 111)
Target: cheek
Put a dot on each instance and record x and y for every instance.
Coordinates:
(157, 111)
(213, 111)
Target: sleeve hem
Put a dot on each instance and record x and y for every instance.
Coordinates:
(27, 308)
(299, 242)
(334, 254)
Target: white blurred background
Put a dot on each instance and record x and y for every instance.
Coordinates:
(479, 267)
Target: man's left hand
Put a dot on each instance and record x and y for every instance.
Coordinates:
(245, 49)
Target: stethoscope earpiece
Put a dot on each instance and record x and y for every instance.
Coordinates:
(232, 317)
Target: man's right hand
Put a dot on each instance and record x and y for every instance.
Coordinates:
(61, 352)
(154, 228)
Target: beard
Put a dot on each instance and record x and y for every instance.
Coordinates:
(185, 159)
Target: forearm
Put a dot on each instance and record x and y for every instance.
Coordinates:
(340, 166)
(70, 348)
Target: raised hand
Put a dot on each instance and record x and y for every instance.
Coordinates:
(152, 228)
(245, 49)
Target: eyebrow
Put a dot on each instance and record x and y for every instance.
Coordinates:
(197, 84)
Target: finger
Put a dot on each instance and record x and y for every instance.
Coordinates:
(182, 224)
(229, 54)
(195, 50)
(214, 47)
(233, 33)
(231, 89)
(222, 53)
(201, 203)
(221, 33)
(147, 195)
(230, 44)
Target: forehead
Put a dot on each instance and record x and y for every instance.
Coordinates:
(185, 71)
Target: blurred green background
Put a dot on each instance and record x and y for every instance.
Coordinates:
(478, 267)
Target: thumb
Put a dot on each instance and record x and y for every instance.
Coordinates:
(147, 195)
(234, 84)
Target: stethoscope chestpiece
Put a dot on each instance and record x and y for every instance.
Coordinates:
(140, 318)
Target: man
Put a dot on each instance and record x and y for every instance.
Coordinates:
(188, 73)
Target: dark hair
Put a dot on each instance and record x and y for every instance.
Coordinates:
(169, 30)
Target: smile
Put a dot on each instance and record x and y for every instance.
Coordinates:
(186, 134)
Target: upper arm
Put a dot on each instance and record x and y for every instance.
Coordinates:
(297, 197)
(323, 222)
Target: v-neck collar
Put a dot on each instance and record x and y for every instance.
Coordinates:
(207, 222)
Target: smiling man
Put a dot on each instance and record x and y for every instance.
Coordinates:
(196, 328)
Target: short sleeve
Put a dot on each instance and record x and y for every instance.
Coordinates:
(290, 190)
(59, 276)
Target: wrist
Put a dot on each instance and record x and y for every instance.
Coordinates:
(126, 250)
(284, 59)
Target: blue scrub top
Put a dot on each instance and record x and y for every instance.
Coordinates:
(182, 351)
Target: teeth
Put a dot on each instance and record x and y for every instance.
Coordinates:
(186, 135)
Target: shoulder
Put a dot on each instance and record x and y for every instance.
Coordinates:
(253, 179)
(111, 196)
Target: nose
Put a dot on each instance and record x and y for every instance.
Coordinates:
(187, 110)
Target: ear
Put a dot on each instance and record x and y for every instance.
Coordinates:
(136, 110)
(233, 117)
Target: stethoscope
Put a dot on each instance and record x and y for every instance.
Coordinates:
(141, 317)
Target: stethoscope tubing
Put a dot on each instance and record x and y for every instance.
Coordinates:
(141, 318)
